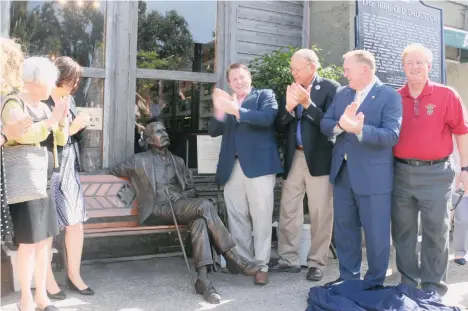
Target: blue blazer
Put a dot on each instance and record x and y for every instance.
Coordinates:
(370, 161)
(252, 138)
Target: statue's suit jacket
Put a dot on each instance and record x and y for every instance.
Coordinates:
(139, 168)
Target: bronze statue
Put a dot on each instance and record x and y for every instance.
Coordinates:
(159, 176)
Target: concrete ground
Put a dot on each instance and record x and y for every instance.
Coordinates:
(163, 284)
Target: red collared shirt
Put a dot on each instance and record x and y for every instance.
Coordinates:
(429, 122)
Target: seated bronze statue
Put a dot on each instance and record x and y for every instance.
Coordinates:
(159, 176)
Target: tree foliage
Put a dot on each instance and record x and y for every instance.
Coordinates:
(272, 70)
(54, 30)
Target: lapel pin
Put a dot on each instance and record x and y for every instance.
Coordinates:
(373, 97)
(317, 87)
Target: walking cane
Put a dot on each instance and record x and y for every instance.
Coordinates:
(180, 239)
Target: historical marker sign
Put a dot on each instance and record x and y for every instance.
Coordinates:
(385, 28)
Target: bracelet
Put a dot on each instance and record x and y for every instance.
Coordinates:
(340, 126)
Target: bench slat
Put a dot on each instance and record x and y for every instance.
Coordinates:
(115, 212)
(106, 232)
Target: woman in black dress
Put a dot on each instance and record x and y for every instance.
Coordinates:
(35, 222)
(67, 190)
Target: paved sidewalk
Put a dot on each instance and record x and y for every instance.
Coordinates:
(162, 284)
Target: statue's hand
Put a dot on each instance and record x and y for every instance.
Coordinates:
(174, 196)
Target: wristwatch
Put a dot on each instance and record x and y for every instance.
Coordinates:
(465, 168)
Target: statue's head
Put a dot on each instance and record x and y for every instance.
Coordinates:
(156, 135)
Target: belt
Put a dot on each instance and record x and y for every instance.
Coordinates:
(299, 148)
(413, 162)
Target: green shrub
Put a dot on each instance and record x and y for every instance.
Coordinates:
(271, 71)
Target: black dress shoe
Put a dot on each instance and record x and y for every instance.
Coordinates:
(85, 292)
(460, 261)
(337, 281)
(284, 268)
(57, 296)
(314, 274)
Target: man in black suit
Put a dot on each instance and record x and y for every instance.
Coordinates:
(307, 161)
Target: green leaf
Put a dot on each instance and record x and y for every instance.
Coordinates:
(271, 71)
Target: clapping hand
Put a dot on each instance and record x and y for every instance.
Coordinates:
(61, 109)
(17, 128)
(349, 121)
(81, 121)
(291, 101)
(300, 94)
(223, 102)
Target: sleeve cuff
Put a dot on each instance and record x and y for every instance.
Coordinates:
(359, 136)
(337, 130)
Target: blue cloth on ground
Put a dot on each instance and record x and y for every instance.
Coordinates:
(359, 295)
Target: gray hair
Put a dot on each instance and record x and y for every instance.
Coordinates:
(309, 55)
(40, 70)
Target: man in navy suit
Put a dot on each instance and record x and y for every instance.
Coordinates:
(248, 163)
(365, 117)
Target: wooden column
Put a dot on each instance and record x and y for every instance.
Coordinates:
(120, 86)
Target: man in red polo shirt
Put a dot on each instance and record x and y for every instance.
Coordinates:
(424, 171)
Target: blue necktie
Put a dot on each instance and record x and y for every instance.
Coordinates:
(299, 109)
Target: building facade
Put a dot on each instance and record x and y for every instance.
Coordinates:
(144, 59)
(332, 28)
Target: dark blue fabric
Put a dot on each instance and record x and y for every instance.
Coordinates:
(252, 138)
(359, 295)
(299, 109)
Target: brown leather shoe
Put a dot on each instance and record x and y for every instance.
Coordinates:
(236, 263)
(261, 278)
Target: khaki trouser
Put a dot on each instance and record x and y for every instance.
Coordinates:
(320, 201)
(246, 199)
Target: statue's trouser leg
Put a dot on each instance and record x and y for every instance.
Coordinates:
(203, 220)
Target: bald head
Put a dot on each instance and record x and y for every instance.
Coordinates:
(304, 65)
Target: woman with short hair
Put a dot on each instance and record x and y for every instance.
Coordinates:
(67, 191)
(35, 221)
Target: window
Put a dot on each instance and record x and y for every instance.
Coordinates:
(60, 28)
(177, 35)
(184, 107)
(181, 105)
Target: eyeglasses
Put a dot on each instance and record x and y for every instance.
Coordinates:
(416, 107)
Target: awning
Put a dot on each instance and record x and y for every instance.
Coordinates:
(456, 38)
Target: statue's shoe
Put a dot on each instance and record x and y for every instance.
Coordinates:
(205, 287)
(236, 263)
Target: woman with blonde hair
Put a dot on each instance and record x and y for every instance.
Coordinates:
(35, 221)
(11, 58)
